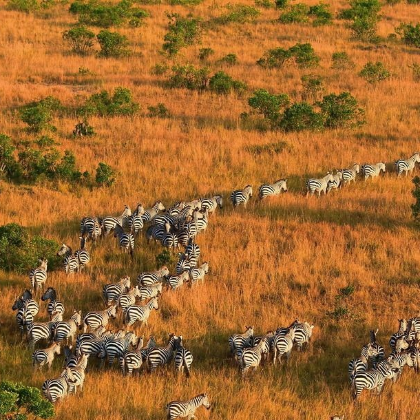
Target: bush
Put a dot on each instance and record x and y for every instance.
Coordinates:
(274, 58)
(189, 77)
(298, 13)
(205, 53)
(313, 85)
(19, 251)
(83, 129)
(341, 111)
(160, 69)
(222, 83)
(182, 32)
(322, 14)
(238, 13)
(8, 164)
(39, 114)
(26, 6)
(268, 105)
(229, 59)
(112, 44)
(281, 4)
(266, 4)
(158, 111)
(301, 116)
(410, 34)
(341, 61)
(374, 72)
(105, 175)
(164, 258)
(80, 39)
(104, 105)
(304, 55)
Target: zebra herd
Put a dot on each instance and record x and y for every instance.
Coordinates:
(371, 369)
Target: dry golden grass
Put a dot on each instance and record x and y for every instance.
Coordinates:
(282, 258)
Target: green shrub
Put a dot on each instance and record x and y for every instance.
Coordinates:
(8, 164)
(39, 114)
(182, 32)
(229, 59)
(341, 61)
(105, 175)
(238, 13)
(281, 4)
(104, 105)
(189, 77)
(268, 105)
(410, 34)
(313, 85)
(160, 69)
(20, 251)
(112, 44)
(164, 258)
(83, 129)
(341, 111)
(222, 83)
(298, 13)
(266, 4)
(374, 72)
(304, 55)
(274, 58)
(301, 116)
(80, 39)
(205, 53)
(158, 111)
(321, 13)
(26, 6)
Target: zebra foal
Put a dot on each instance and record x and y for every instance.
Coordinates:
(176, 409)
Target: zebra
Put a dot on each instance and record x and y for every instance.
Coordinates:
(199, 273)
(183, 264)
(176, 282)
(303, 333)
(70, 358)
(192, 252)
(200, 220)
(170, 240)
(241, 196)
(140, 313)
(111, 292)
(160, 356)
(151, 344)
(251, 356)
(110, 222)
(239, 341)
(400, 333)
(116, 347)
(126, 240)
(77, 374)
(42, 330)
(54, 306)
(415, 358)
(91, 228)
(269, 190)
(27, 308)
(176, 409)
(360, 364)
(132, 360)
(318, 185)
(373, 170)
(336, 182)
(128, 298)
(350, 174)
(94, 320)
(372, 380)
(135, 222)
(67, 329)
(38, 276)
(183, 359)
(82, 254)
(55, 389)
(283, 344)
(157, 232)
(153, 211)
(414, 324)
(149, 278)
(149, 292)
(71, 262)
(45, 356)
(407, 165)
(212, 203)
(378, 351)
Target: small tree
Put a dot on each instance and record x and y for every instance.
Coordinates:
(374, 72)
(205, 53)
(39, 114)
(322, 14)
(222, 83)
(189, 77)
(80, 39)
(8, 164)
(26, 6)
(105, 175)
(410, 34)
(301, 116)
(298, 13)
(268, 105)
(112, 44)
(274, 58)
(304, 55)
(229, 59)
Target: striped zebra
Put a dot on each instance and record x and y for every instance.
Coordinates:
(241, 196)
(70, 358)
(372, 380)
(350, 174)
(360, 364)
(94, 320)
(128, 298)
(175, 282)
(116, 347)
(93, 346)
(407, 165)
(400, 333)
(91, 228)
(77, 377)
(65, 330)
(414, 324)
(319, 185)
(283, 344)
(54, 306)
(414, 356)
(42, 330)
(378, 353)
(140, 313)
(111, 292)
(125, 240)
(82, 254)
(303, 333)
(45, 356)
(268, 344)
(183, 264)
(240, 341)
(336, 182)
(110, 222)
(157, 232)
(153, 211)
(183, 359)
(160, 356)
(212, 203)
(192, 252)
(176, 409)
(200, 220)
(251, 356)
(170, 240)
(135, 222)
(373, 170)
(149, 278)
(59, 388)
(71, 262)
(27, 308)
(149, 292)
(38, 276)
(132, 360)
(197, 274)
(269, 190)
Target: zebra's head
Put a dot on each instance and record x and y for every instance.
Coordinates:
(381, 167)
(249, 331)
(112, 311)
(219, 200)
(356, 168)
(154, 303)
(50, 293)
(64, 250)
(126, 282)
(205, 267)
(163, 271)
(140, 209)
(205, 401)
(159, 206)
(17, 304)
(403, 325)
(82, 242)
(77, 318)
(248, 190)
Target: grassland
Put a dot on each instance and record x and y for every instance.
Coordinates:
(276, 260)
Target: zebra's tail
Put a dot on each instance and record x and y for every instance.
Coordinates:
(122, 364)
(131, 252)
(187, 369)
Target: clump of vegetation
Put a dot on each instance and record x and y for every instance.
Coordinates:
(26, 6)
(281, 4)
(238, 13)
(112, 44)
(205, 53)
(39, 114)
(313, 86)
(268, 105)
(270, 148)
(105, 105)
(222, 83)
(301, 116)
(303, 55)
(374, 72)
(164, 258)
(410, 34)
(266, 4)
(298, 13)
(20, 251)
(159, 69)
(189, 77)
(229, 59)
(105, 175)
(321, 14)
(83, 129)
(274, 58)
(341, 61)
(9, 167)
(182, 32)
(158, 111)
(341, 310)
(80, 39)
(364, 15)
(103, 15)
